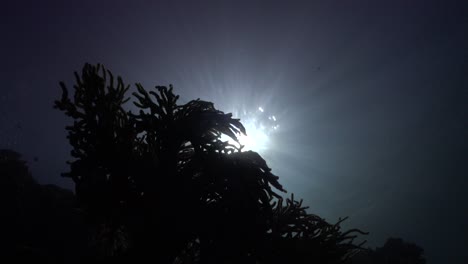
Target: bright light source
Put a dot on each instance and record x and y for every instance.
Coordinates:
(259, 127)
(256, 138)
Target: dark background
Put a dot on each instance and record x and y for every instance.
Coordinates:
(370, 96)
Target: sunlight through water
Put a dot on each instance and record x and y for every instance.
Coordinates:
(259, 127)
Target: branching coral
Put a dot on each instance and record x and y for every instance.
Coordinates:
(178, 191)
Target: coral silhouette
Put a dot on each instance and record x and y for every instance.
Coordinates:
(161, 185)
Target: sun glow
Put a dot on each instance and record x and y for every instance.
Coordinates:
(259, 127)
(256, 138)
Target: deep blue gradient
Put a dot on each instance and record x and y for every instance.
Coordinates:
(371, 96)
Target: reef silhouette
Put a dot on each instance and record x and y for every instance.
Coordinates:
(395, 251)
(41, 223)
(160, 185)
